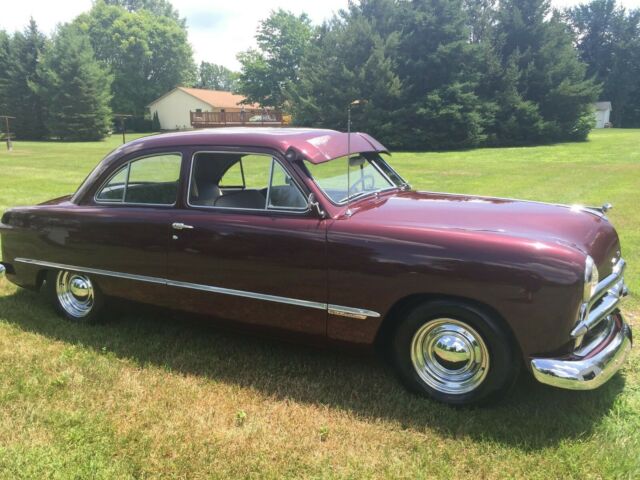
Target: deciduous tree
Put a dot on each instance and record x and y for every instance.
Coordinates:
(147, 54)
(267, 72)
(217, 77)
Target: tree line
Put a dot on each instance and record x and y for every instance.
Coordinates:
(433, 74)
(115, 58)
(445, 74)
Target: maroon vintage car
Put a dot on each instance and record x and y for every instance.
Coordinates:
(288, 230)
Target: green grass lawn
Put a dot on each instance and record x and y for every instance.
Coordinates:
(155, 394)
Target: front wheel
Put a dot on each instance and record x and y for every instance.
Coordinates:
(75, 295)
(454, 353)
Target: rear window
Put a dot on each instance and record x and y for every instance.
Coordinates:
(150, 180)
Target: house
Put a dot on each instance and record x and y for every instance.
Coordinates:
(602, 113)
(177, 108)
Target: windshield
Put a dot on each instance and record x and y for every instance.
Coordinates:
(368, 173)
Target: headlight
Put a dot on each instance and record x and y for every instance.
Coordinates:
(591, 278)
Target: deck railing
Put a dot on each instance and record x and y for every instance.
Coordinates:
(249, 118)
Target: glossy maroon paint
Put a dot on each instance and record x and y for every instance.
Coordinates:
(523, 260)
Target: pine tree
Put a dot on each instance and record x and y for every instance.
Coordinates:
(608, 40)
(77, 88)
(439, 69)
(155, 122)
(350, 60)
(23, 82)
(549, 96)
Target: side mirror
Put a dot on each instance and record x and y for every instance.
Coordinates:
(313, 204)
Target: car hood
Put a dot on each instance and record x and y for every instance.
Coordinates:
(585, 230)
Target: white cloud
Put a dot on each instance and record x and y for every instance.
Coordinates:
(218, 29)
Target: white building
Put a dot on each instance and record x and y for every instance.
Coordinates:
(174, 107)
(602, 113)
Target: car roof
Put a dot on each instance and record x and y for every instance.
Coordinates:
(314, 145)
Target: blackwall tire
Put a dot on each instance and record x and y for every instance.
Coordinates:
(455, 353)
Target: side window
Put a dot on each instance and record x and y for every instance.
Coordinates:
(250, 181)
(283, 192)
(256, 172)
(234, 176)
(221, 180)
(113, 191)
(150, 180)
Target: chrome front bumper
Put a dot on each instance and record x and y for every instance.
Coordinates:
(587, 372)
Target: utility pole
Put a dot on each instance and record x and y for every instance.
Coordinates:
(122, 117)
(6, 124)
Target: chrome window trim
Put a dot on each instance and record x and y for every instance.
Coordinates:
(127, 164)
(297, 211)
(402, 179)
(359, 313)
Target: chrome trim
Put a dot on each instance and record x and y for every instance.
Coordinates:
(577, 373)
(609, 325)
(359, 313)
(602, 209)
(450, 356)
(93, 271)
(181, 226)
(3, 270)
(75, 293)
(332, 309)
(245, 294)
(609, 292)
(604, 285)
(297, 211)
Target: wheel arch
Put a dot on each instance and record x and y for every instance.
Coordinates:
(41, 277)
(404, 305)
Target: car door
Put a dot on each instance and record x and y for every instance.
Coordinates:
(122, 232)
(245, 247)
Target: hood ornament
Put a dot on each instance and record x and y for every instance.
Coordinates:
(606, 207)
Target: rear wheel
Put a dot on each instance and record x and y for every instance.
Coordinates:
(455, 353)
(75, 295)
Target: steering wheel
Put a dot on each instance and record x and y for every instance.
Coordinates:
(362, 182)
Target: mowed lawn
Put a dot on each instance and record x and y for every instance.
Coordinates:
(156, 394)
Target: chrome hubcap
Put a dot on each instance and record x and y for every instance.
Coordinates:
(75, 293)
(450, 356)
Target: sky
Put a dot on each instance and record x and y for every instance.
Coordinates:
(218, 29)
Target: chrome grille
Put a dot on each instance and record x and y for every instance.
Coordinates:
(603, 302)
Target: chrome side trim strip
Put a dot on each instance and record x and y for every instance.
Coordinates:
(245, 294)
(359, 313)
(94, 271)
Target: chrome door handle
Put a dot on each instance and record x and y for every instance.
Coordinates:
(181, 226)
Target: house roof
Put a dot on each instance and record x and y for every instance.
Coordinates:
(215, 98)
(602, 105)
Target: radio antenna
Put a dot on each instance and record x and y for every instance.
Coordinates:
(354, 103)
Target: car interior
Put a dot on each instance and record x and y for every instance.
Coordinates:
(210, 184)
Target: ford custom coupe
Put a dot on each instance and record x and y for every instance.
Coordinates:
(312, 232)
